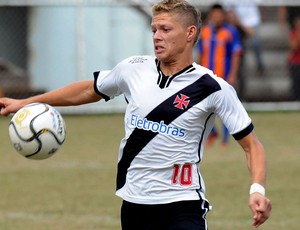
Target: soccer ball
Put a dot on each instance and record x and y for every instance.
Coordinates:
(37, 131)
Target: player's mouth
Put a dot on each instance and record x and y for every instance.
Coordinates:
(158, 49)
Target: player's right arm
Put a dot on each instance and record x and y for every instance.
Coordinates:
(78, 93)
(259, 204)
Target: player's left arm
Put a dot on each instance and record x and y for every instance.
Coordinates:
(256, 159)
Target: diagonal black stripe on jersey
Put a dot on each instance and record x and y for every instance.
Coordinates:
(166, 112)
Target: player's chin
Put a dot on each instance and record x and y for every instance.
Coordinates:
(162, 57)
(160, 54)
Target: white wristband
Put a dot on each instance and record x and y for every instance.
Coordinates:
(255, 187)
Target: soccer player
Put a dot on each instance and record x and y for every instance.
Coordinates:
(172, 103)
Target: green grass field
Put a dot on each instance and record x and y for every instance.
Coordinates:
(74, 190)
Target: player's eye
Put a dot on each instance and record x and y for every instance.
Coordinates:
(166, 29)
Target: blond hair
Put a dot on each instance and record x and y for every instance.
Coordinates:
(190, 15)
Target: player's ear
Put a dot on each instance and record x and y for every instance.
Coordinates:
(191, 33)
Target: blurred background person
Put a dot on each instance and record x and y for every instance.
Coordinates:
(287, 15)
(241, 76)
(294, 58)
(248, 18)
(219, 49)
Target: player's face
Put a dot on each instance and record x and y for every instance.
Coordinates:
(169, 36)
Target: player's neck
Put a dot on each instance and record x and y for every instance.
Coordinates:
(173, 67)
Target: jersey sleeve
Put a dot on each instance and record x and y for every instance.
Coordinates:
(231, 111)
(107, 83)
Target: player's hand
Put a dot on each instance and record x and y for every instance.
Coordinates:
(261, 208)
(8, 105)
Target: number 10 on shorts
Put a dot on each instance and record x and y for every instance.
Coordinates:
(182, 174)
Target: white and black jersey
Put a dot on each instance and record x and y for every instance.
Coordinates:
(167, 121)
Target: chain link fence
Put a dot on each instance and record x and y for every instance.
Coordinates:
(48, 44)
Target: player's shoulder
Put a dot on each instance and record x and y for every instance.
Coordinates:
(141, 59)
(131, 64)
(209, 74)
(201, 71)
(230, 28)
(206, 29)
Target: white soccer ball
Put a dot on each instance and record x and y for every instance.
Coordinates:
(37, 131)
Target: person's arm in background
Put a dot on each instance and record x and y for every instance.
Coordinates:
(234, 68)
(236, 51)
(282, 17)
